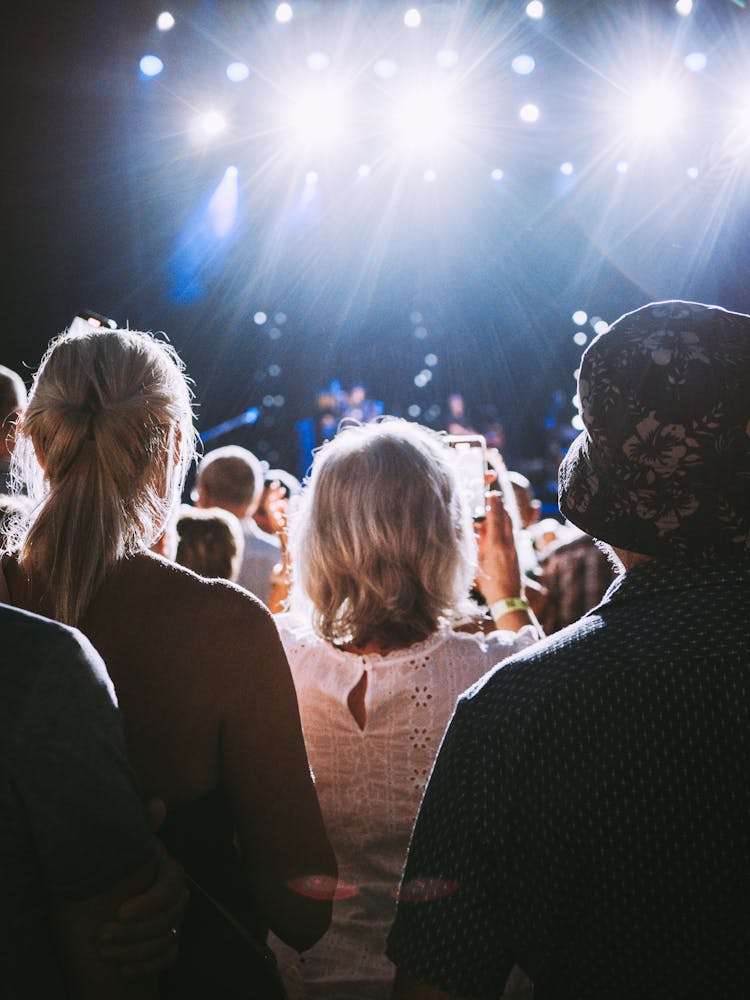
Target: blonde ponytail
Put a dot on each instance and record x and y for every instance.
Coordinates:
(104, 446)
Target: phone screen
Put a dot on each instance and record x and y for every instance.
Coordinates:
(469, 453)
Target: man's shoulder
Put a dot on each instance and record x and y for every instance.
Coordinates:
(28, 635)
(259, 541)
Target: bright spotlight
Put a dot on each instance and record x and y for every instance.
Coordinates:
(577, 422)
(311, 178)
(600, 325)
(260, 317)
(529, 113)
(654, 110)
(523, 65)
(412, 18)
(684, 7)
(284, 13)
(165, 21)
(385, 68)
(692, 173)
(318, 61)
(579, 317)
(696, 62)
(364, 170)
(237, 72)
(151, 65)
(430, 175)
(446, 58)
(622, 167)
(566, 169)
(318, 116)
(535, 10)
(423, 119)
(580, 338)
(497, 174)
(212, 122)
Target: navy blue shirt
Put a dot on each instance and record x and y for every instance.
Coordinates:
(71, 819)
(588, 816)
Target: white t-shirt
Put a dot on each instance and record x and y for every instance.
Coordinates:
(370, 781)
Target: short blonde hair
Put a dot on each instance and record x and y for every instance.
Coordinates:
(382, 540)
(210, 542)
(109, 420)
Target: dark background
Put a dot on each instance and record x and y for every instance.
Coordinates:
(103, 193)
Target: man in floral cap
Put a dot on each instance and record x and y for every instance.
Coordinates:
(588, 816)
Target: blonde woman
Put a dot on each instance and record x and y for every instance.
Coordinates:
(384, 554)
(207, 700)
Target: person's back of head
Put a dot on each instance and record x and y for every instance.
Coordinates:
(12, 402)
(382, 541)
(210, 542)
(230, 477)
(662, 466)
(104, 447)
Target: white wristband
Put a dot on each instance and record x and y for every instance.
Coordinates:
(507, 604)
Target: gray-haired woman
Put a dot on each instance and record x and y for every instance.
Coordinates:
(384, 555)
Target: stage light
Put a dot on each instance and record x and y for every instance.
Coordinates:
(165, 21)
(284, 13)
(260, 317)
(386, 69)
(654, 110)
(318, 61)
(523, 65)
(412, 18)
(580, 338)
(692, 173)
(684, 7)
(318, 116)
(420, 332)
(274, 333)
(274, 370)
(622, 167)
(414, 410)
(566, 168)
(423, 119)
(210, 123)
(579, 317)
(535, 10)
(577, 422)
(696, 62)
(497, 174)
(529, 113)
(222, 207)
(364, 170)
(599, 325)
(151, 65)
(280, 318)
(430, 175)
(311, 178)
(446, 58)
(237, 72)
(431, 360)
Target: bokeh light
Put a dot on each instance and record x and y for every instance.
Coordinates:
(165, 21)
(412, 18)
(151, 65)
(284, 13)
(523, 65)
(237, 72)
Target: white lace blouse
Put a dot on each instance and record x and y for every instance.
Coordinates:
(370, 781)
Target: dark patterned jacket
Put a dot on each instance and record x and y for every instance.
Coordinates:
(588, 816)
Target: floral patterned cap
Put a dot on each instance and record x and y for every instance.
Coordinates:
(663, 464)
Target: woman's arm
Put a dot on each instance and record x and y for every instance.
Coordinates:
(499, 577)
(289, 861)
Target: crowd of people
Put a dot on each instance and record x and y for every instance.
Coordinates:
(310, 740)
